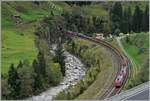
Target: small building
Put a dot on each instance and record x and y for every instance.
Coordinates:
(127, 34)
(110, 36)
(121, 34)
(100, 36)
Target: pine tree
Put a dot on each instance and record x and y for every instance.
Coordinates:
(60, 58)
(40, 74)
(73, 47)
(125, 23)
(129, 18)
(14, 81)
(20, 65)
(145, 20)
(38, 84)
(90, 27)
(39, 68)
(41, 64)
(35, 66)
(137, 19)
(26, 80)
(99, 24)
(116, 14)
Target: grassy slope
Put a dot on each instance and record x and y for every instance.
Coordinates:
(133, 50)
(18, 40)
(17, 45)
(27, 10)
(139, 59)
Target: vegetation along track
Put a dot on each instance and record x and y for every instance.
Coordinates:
(121, 58)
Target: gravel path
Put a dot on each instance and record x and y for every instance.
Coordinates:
(75, 71)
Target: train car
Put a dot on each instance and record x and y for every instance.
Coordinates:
(119, 80)
(124, 71)
(82, 35)
(70, 33)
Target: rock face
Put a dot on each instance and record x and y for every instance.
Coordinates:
(75, 71)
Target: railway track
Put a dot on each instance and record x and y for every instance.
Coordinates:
(112, 90)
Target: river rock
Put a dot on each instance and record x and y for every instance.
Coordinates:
(75, 71)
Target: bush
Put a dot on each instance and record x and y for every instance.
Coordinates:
(56, 74)
(5, 89)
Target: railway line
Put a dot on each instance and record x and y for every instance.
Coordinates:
(121, 60)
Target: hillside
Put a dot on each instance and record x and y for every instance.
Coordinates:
(28, 11)
(20, 45)
(18, 39)
(137, 46)
(33, 42)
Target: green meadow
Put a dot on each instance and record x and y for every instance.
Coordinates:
(139, 41)
(17, 45)
(18, 39)
(138, 49)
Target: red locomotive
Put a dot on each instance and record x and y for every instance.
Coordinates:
(122, 74)
(119, 81)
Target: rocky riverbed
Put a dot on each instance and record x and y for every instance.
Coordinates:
(75, 71)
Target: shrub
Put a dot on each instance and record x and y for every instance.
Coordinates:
(26, 80)
(5, 89)
(56, 74)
